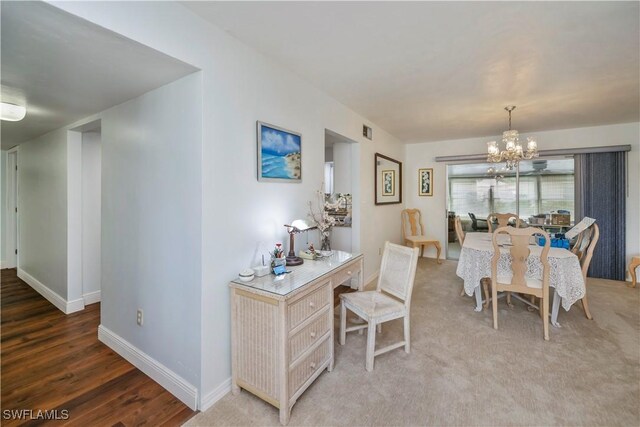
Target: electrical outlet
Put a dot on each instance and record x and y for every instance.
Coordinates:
(139, 318)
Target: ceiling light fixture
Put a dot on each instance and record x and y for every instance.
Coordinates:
(512, 154)
(12, 112)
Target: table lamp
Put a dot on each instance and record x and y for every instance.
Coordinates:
(297, 226)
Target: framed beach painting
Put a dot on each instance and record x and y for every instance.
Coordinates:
(279, 154)
(425, 182)
(388, 180)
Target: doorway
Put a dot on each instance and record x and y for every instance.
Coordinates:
(339, 188)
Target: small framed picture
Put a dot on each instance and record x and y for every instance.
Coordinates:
(388, 183)
(425, 182)
(279, 154)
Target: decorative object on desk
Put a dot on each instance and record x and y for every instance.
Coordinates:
(425, 182)
(246, 275)
(321, 218)
(297, 226)
(277, 258)
(279, 154)
(261, 270)
(513, 153)
(387, 180)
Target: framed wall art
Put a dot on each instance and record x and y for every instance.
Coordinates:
(279, 154)
(425, 182)
(388, 180)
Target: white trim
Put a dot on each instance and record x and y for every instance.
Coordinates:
(62, 304)
(164, 376)
(91, 297)
(209, 399)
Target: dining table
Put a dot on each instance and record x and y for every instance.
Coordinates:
(565, 272)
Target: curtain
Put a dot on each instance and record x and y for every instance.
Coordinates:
(600, 185)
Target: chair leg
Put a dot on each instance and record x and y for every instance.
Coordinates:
(509, 300)
(371, 345)
(462, 291)
(494, 304)
(421, 251)
(585, 307)
(438, 251)
(544, 308)
(485, 287)
(407, 334)
(343, 323)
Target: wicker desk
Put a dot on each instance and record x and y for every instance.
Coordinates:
(282, 328)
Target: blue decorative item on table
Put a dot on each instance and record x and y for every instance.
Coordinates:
(556, 242)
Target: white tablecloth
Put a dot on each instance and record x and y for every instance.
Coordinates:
(475, 263)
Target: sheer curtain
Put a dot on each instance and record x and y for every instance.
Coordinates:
(600, 188)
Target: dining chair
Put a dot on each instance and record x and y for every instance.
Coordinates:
(413, 232)
(583, 248)
(478, 224)
(391, 300)
(516, 280)
(503, 220)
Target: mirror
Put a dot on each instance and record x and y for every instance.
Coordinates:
(388, 180)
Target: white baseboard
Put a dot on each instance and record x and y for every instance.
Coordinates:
(62, 304)
(209, 399)
(164, 376)
(91, 297)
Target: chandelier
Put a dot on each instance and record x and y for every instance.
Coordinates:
(513, 152)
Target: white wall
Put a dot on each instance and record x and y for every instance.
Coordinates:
(3, 206)
(151, 216)
(434, 208)
(91, 211)
(42, 207)
(241, 86)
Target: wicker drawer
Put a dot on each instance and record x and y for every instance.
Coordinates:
(303, 308)
(308, 335)
(303, 370)
(347, 273)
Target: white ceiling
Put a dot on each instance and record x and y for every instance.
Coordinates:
(428, 71)
(64, 68)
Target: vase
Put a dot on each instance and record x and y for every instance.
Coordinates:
(326, 242)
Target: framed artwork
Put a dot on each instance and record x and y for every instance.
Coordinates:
(388, 180)
(279, 154)
(389, 183)
(425, 182)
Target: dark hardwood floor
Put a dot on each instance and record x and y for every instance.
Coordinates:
(52, 361)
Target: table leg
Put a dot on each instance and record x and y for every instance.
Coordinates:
(555, 309)
(478, 292)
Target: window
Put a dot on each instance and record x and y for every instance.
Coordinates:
(545, 186)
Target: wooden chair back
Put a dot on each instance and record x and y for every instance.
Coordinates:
(585, 245)
(520, 251)
(459, 231)
(503, 220)
(412, 223)
(398, 271)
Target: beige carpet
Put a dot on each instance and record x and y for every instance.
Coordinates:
(462, 372)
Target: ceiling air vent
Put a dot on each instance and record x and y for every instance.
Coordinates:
(367, 132)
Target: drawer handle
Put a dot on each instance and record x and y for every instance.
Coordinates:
(349, 272)
(312, 334)
(312, 365)
(312, 304)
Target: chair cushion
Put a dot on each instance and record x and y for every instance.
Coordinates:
(373, 303)
(420, 239)
(532, 283)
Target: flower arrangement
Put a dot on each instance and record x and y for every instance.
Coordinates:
(322, 219)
